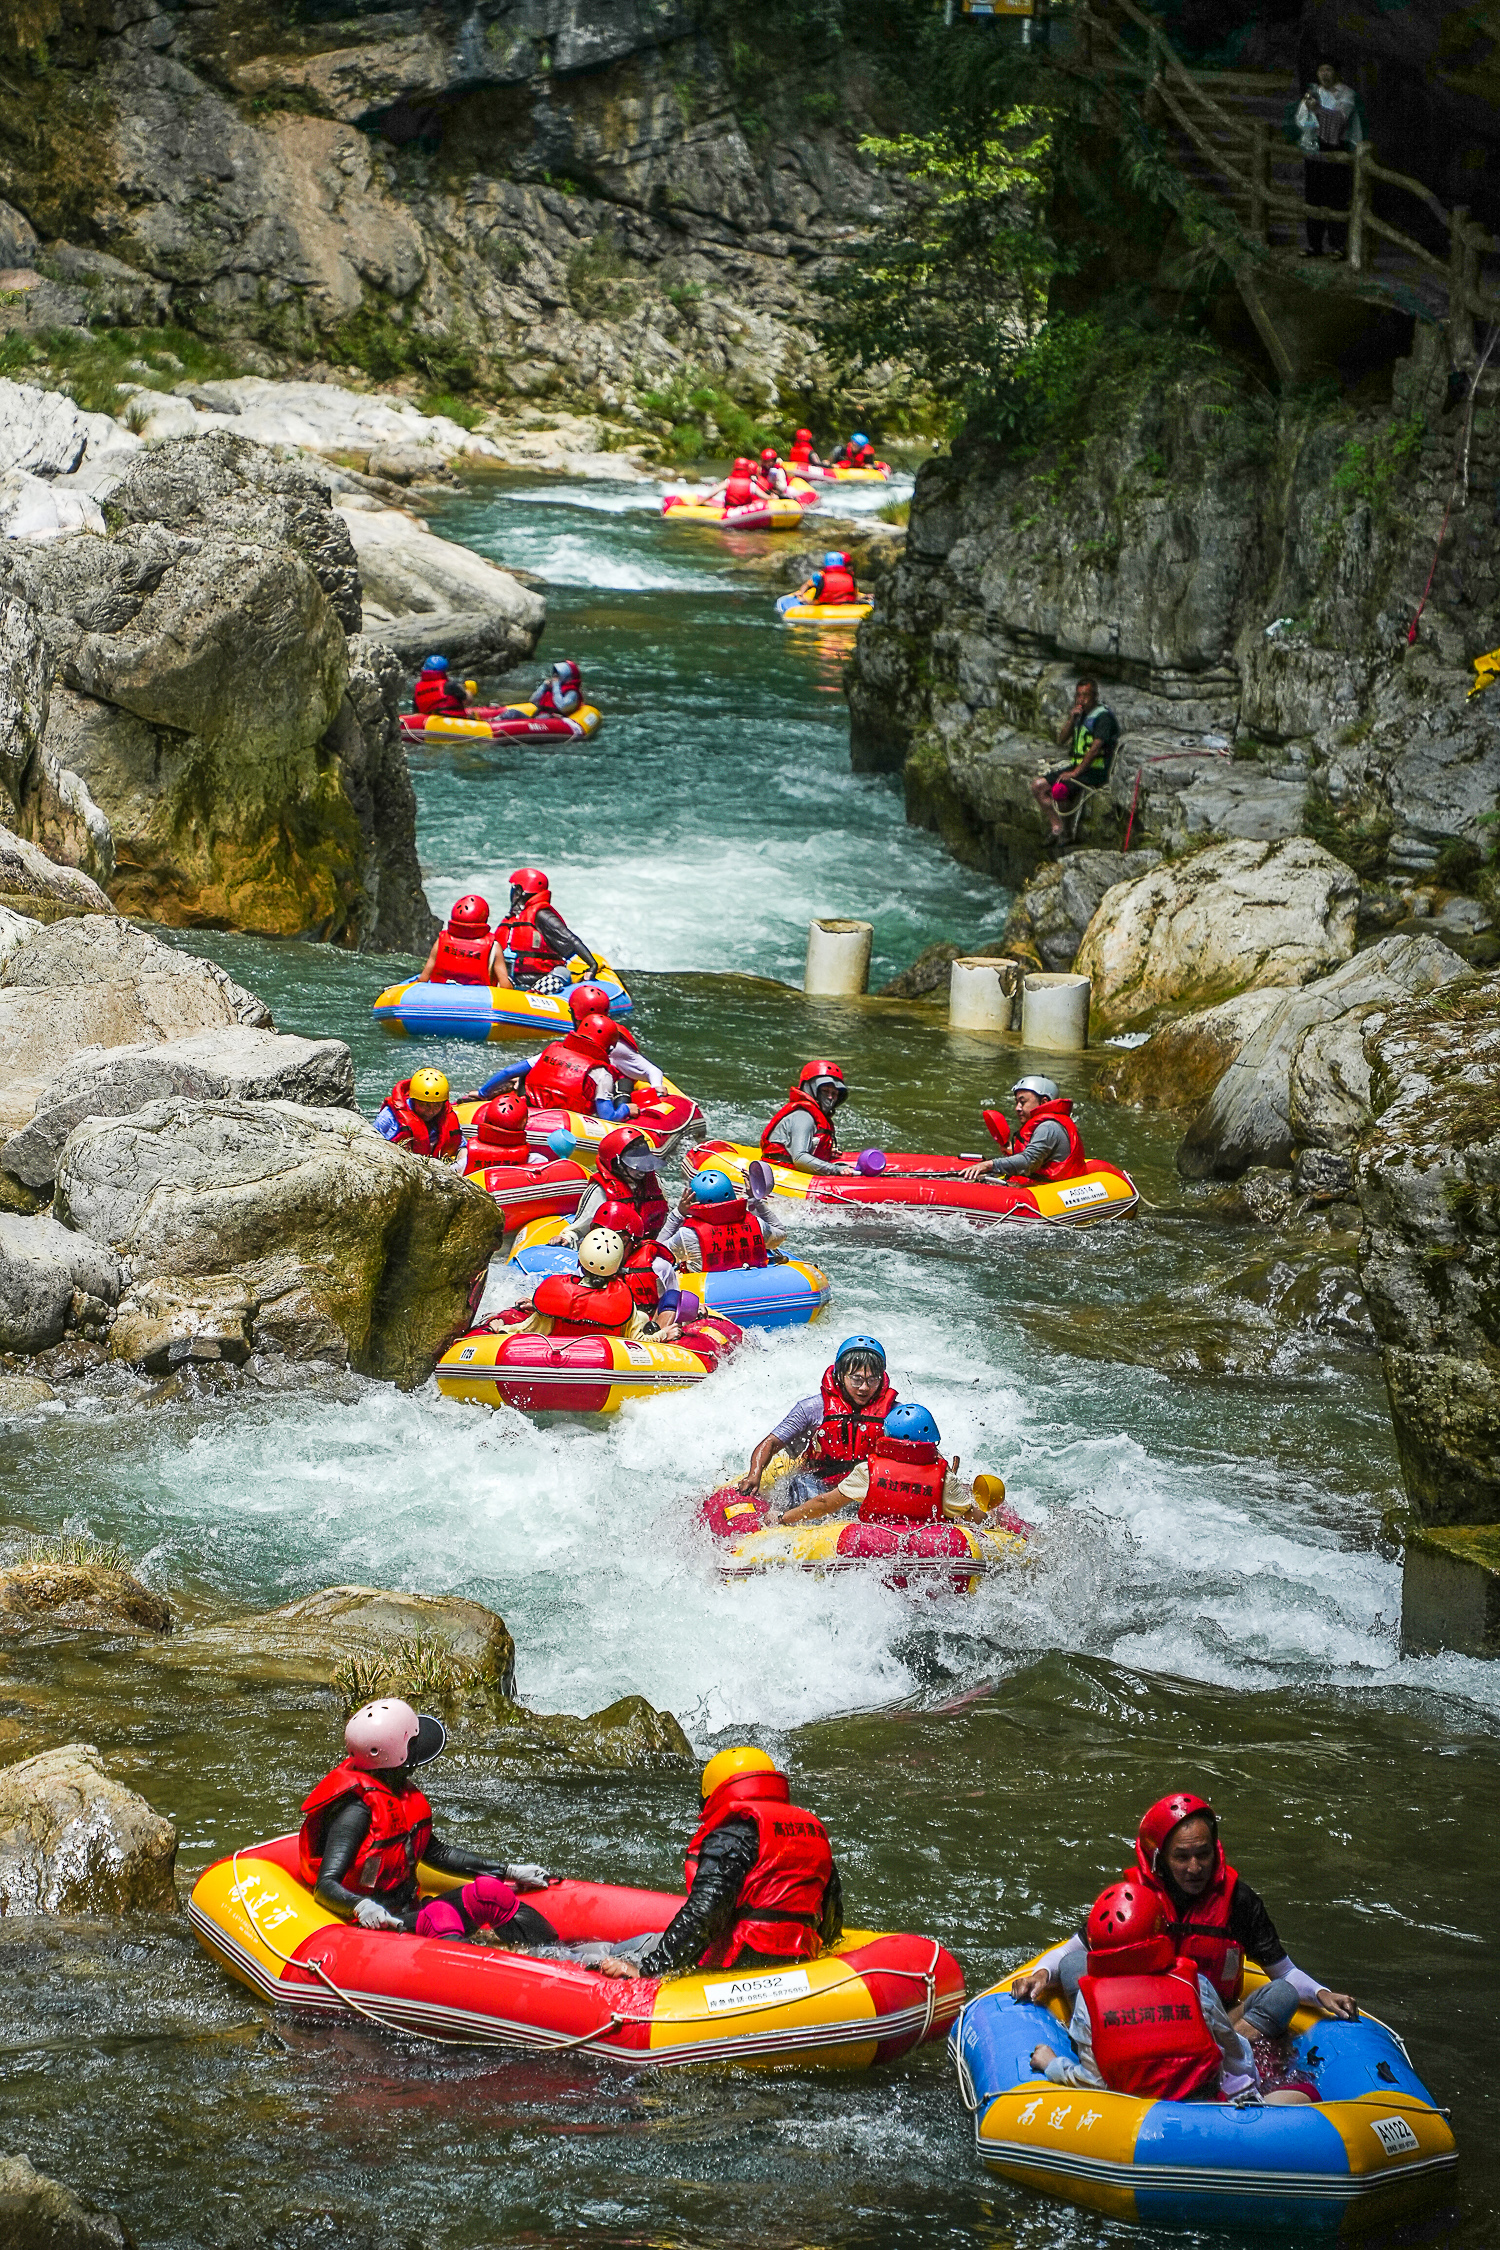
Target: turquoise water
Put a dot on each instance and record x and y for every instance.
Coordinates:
(1207, 1603)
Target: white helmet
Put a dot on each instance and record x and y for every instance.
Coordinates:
(601, 1252)
(1045, 1089)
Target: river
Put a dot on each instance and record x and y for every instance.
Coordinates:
(1208, 1604)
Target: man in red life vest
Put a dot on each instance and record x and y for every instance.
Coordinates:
(770, 476)
(367, 1824)
(463, 952)
(1046, 1145)
(435, 694)
(625, 1172)
(561, 691)
(855, 453)
(738, 489)
(763, 1887)
(835, 582)
(535, 942)
(596, 1298)
(418, 1115)
(835, 1428)
(580, 1070)
(802, 455)
(1211, 1914)
(497, 1136)
(801, 1133)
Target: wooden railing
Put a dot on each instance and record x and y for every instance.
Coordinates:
(1247, 164)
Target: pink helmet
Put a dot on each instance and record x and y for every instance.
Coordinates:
(387, 1735)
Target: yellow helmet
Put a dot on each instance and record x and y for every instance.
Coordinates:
(729, 1763)
(428, 1086)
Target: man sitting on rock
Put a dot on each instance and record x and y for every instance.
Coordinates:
(436, 695)
(1092, 733)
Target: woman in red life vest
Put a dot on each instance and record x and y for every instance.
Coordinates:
(763, 1888)
(801, 1133)
(418, 1115)
(367, 1824)
(1211, 1914)
(770, 477)
(833, 1429)
(561, 691)
(463, 952)
(436, 694)
(535, 943)
(1147, 2022)
(1046, 1144)
(716, 1230)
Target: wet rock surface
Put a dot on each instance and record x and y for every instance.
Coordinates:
(1051, 917)
(77, 1592)
(1182, 1061)
(75, 1841)
(43, 1268)
(422, 593)
(37, 2213)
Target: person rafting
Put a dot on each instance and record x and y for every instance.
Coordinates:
(534, 941)
(418, 1115)
(770, 475)
(1147, 2021)
(903, 1480)
(737, 490)
(855, 453)
(832, 1428)
(1046, 1144)
(801, 1133)
(437, 694)
(561, 691)
(580, 1071)
(626, 1165)
(802, 455)
(463, 952)
(1212, 1915)
(497, 1136)
(762, 1882)
(367, 1825)
(596, 1299)
(834, 585)
(714, 1230)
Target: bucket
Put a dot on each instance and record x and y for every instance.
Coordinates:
(1055, 1014)
(981, 993)
(838, 958)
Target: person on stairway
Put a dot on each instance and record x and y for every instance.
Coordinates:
(1328, 125)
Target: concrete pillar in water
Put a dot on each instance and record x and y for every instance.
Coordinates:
(1055, 1014)
(838, 958)
(982, 993)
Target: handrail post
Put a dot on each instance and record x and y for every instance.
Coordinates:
(1359, 204)
(1460, 319)
(1260, 179)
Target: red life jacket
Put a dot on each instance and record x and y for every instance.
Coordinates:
(848, 1433)
(562, 1075)
(825, 1145)
(432, 693)
(838, 585)
(739, 492)
(400, 1830)
(584, 1305)
(523, 944)
(639, 1274)
(1067, 1167)
(780, 1907)
(906, 1482)
(1149, 2035)
(729, 1235)
(1200, 1928)
(864, 458)
(442, 1138)
(645, 1199)
(801, 453)
(462, 957)
(486, 1156)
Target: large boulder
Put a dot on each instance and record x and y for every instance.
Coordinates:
(344, 1245)
(236, 1062)
(38, 2213)
(74, 1841)
(1052, 914)
(98, 982)
(1182, 1061)
(422, 593)
(1194, 932)
(1427, 1174)
(42, 888)
(1301, 1079)
(49, 1275)
(71, 1588)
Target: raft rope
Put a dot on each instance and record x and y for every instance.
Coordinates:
(1165, 759)
(926, 1977)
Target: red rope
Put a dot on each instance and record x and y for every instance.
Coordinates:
(1427, 589)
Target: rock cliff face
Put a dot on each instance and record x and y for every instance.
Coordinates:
(570, 191)
(193, 725)
(1241, 577)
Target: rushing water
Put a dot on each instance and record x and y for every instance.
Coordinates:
(1207, 1602)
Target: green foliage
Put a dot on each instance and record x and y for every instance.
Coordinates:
(1369, 471)
(707, 424)
(459, 410)
(91, 368)
(416, 1667)
(895, 511)
(684, 293)
(505, 256)
(1084, 375)
(385, 348)
(75, 1549)
(1360, 838)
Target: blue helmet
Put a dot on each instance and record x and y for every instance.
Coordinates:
(436, 664)
(863, 1347)
(913, 1423)
(712, 1187)
(859, 438)
(833, 560)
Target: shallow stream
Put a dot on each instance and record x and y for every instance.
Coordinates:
(1208, 1605)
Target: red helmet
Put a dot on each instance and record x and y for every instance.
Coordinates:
(503, 1119)
(630, 1140)
(744, 465)
(596, 1035)
(471, 912)
(1126, 1932)
(623, 1217)
(531, 883)
(804, 437)
(769, 453)
(1167, 1814)
(814, 1070)
(567, 671)
(588, 1000)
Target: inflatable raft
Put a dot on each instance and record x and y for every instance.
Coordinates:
(529, 1193)
(934, 1557)
(1103, 1192)
(1375, 2136)
(873, 1997)
(838, 472)
(792, 609)
(786, 1295)
(511, 722)
(593, 1374)
(484, 1011)
(769, 514)
(666, 1119)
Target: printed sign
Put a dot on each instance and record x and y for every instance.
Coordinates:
(748, 1992)
(467, 1352)
(1087, 1191)
(1394, 2135)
